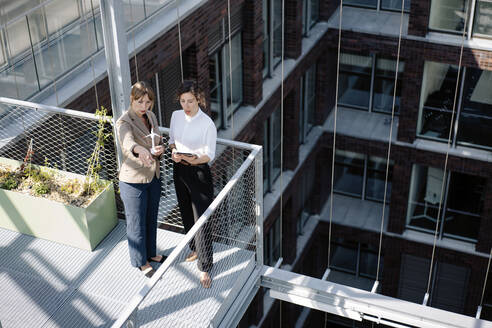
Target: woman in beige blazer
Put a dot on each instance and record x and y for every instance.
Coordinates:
(139, 176)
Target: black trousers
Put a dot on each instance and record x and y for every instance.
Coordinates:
(195, 192)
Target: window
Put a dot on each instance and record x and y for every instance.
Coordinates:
(310, 15)
(308, 103)
(222, 105)
(272, 244)
(393, 5)
(461, 205)
(271, 150)
(355, 258)
(307, 185)
(450, 15)
(448, 287)
(367, 83)
(362, 176)
(272, 35)
(473, 110)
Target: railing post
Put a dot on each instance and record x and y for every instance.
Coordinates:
(259, 205)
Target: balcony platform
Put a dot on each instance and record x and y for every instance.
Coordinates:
(46, 284)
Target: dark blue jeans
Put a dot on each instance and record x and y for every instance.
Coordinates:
(141, 202)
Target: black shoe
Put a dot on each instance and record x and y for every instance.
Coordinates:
(149, 272)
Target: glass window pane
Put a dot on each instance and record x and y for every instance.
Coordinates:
(60, 13)
(394, 5)
(424, 197)
(437, 97)
(237, 74)
(37, 26)
(464, 205)
(134, 12)
(154, 5)
(311, 95)
(276, 142)
(314, 11)
(362, 3)
(3, 57)
(266, 38)
(65, 52)
(215, 89)
(355, 80)
(344, 257)
(483, 18)
(349, 176)
(475, 124)
(369, 263)
(376, 176)
(266, 156)
(277, 31)
(448, 15)
(384, 85)
(18, 37)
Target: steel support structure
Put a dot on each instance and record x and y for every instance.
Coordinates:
(116, 50)
(359, 304)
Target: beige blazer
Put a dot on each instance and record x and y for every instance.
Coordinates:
(131, 132)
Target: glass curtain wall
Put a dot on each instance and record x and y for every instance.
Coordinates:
(43, 40)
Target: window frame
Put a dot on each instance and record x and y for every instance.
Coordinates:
(365, 170)
(444, 207)
(305, 126)
(379, 7)
(269, 148)
(373, 76)
(225, 112)
(272, 61)
(457, 119)
(307, 22)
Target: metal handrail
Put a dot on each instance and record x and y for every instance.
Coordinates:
(138, 298)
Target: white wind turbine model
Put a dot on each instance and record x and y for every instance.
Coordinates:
(152, 135)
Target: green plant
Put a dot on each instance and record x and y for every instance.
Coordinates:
(41, 188)
(71, 187)
(92, 183)
(8, 181)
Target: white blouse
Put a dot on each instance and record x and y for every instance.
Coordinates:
(196, 134)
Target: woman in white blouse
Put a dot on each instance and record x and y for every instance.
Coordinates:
(192, 139)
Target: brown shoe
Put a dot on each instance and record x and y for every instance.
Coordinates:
(191, 257)
(205, 280)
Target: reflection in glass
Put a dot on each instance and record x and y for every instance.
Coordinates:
(448, 15)
(237, 74)
(277, 32)
(483, 18)
(355, 80)
(376, 176)
(65, 52)
(215, 89)
(475, 122)
(134, 12)
(395, 5)
(461, 206)
(349, 172)
(384, 83)
(437, 98)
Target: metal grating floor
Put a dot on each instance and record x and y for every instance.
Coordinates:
(45, 284)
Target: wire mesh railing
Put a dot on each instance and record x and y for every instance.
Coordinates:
(227, 237)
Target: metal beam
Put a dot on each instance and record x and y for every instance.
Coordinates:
(359, 304)
(116, 50)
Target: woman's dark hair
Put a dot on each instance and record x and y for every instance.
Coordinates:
(140, 89)
(193, 88)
